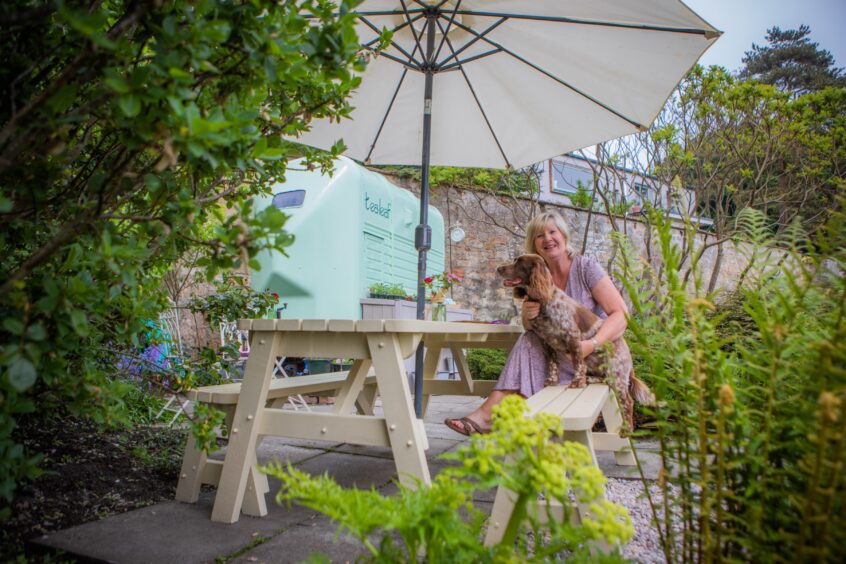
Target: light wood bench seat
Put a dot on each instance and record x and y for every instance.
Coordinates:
(198, 469)
(578, 409)
(227, 394)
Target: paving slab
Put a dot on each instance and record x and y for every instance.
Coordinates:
(183, 533)
(350, 470)
(297, 543)
(171, 531)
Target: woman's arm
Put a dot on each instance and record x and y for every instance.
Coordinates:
(611, 302)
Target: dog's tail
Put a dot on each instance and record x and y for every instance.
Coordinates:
(640, 391)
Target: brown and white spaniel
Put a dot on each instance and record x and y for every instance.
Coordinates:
(563, 323)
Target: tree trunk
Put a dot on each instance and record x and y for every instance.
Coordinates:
(715, 273)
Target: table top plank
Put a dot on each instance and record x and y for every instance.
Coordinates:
(315, 324)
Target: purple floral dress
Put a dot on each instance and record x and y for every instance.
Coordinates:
(526, 368)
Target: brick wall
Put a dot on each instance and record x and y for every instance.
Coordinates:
(487, 245)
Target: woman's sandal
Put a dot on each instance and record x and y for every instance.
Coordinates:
(467, 426)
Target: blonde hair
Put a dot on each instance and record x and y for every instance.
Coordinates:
(538, 224)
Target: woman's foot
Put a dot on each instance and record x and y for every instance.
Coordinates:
(466, 426)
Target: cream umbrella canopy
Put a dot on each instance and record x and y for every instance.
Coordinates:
(504, 84)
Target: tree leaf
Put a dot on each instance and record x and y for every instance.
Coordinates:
(22, 374)
(79, 322)
(130, 105)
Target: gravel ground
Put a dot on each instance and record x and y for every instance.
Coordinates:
(645, 546)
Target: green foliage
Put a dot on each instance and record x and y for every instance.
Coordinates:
(716, 146)
(503, 182)
(381, 289)
(583, 198)
(233, 300)
(486, 364)
(126, 131)
(441, 524)
(792, 62)
(750, 418)
(619, 208)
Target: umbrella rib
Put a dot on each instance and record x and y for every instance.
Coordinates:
(555, 78)
(396, 29)
(396, 59)
(458, 63)
(395, 45)
(411, 27)
(474, 40)
(482, 110)
(561, 19)
(444, 34)
(391, 12)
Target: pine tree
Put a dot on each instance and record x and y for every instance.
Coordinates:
(792, 62)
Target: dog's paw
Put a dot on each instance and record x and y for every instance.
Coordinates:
(578, 383)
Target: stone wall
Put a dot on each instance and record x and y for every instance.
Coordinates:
(488, 245)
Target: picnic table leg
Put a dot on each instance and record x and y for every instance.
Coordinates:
(613, 424)
(193, 462)
(366, 400)
(463, 368)
(586, 438)
(254, 503)
(500, 514)
(430, 369)
(243, 437)
(405, 431)
(348, 394)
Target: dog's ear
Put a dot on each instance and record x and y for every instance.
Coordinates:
(541, 287)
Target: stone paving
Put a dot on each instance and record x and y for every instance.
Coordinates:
(183, 533)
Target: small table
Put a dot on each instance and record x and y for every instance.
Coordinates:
(377, 344)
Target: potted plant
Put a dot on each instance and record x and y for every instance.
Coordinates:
(387, 291)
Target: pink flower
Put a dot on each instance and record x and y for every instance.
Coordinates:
(275, 295)
(428, 280)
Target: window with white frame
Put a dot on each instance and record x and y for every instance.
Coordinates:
(566, 177)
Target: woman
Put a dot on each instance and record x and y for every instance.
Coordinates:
(581, 278)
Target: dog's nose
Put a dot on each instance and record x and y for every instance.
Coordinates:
(500, 269)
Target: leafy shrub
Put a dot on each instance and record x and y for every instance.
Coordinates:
(582, 198)
(750, 418)
(486, 364)
(135, 132)
(441, 524)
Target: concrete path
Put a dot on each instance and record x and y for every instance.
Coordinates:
(173, 532)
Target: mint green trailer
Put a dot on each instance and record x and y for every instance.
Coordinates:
(352, 230)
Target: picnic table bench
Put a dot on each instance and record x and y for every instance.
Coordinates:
(198, 468)
(578, 409)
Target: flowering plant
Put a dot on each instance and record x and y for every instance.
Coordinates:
(438, 284)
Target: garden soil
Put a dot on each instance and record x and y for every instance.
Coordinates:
(89, 474)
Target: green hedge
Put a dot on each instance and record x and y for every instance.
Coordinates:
(486, 364)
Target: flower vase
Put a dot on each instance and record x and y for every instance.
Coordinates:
(438, 309)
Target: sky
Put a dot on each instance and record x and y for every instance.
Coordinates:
(744, 22)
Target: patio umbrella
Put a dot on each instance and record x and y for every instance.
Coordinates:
(505, 84)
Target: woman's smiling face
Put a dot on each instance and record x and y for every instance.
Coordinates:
(550, 243)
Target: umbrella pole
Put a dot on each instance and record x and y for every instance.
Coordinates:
(423, 233)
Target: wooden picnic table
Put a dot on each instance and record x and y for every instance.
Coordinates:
(375, 345)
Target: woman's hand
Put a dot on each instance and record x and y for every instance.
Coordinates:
(587, 348)
(530, 310)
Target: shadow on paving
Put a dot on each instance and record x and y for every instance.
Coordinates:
(183, 533)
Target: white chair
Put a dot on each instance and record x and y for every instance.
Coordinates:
(172, 339)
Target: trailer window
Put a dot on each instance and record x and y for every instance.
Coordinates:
(289, 199)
